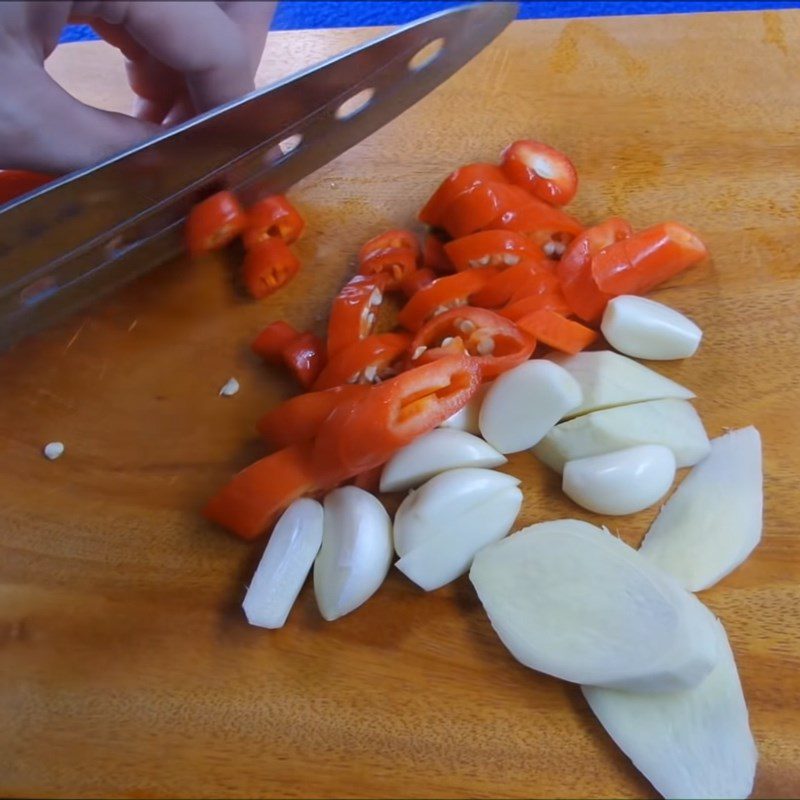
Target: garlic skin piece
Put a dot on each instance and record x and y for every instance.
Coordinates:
(690, 743)
(466, 419)
(356, 551)
(438, 451)
(440, 527)
(230, 388)
(672, 423)
(53, 450)
(608, 379)
(524, 403)
(621, 482)
(284, 567)
(643, 328)
(713, 521)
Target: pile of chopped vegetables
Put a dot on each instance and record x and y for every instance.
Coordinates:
(496, 307)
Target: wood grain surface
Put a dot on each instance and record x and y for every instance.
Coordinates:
(126, 667)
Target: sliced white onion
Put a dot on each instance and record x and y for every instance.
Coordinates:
(690, 743)
(439, 528)
(622, 482)
(356, 551)
(608, 379)
(466, 419)
(643, 328)
(571, 600)
(286, 562)
(713, 521)
(672, 423)
(523, 404)
(438, 451)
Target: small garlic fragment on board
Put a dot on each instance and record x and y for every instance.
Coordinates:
(53, 450)
(230, 388)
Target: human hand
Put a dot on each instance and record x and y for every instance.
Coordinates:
(181, 57)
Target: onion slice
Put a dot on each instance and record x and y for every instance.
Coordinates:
(713, 521)
(691, 743)
(571, 600)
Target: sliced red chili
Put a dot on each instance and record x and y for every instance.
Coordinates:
(546, 300)
(557, 331)
(394, 264)
(550, 228)
(542, 170)
(365, 361)
(457, 182)
(365, 432)
(495, 343)
(528, 276)
(491, 248)
(214, 223)
(299, 418)
(354, 311)
(417, 280)
(574, 270)
(443, 294)
(433, 255)
(273, 216)
(638, 264)
(475, 208)
(391, 240)
(268, 266)
(270, 343)
(305, 358)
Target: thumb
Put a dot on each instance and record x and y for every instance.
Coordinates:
(43, 128)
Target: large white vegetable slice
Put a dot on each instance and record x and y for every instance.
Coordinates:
(466, 419)
(438, 451)
(713, 521)
(608, 379)
(524, 403)
(643, 328)
(622, 482)
(439, 528)
(691, 743)
(672, 423)
(286, 562)
(571, 600)
(356, 551)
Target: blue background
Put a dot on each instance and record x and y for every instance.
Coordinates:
(293, 14)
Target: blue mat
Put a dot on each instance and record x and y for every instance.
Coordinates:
(294, 14)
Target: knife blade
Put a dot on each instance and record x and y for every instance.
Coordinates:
(90, 232)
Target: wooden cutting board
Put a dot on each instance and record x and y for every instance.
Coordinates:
(126, 667)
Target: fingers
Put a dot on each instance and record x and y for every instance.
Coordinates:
(43, 128)
(197, 39)
(253, 18)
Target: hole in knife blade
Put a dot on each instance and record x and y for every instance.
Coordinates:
(290, 143)
(353, 105)
(426, 55)
(37, 291)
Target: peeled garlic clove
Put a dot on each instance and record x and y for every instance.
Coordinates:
(713, 521)
(446, 502)
(571, 600)
(438, 451)
(524, 403)
(356, 551)
(444, 557)
(286, 562)
(672, 423)
(645, 329)
(622, 482)
(690, 743)
(466, 419)
(608, 379)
